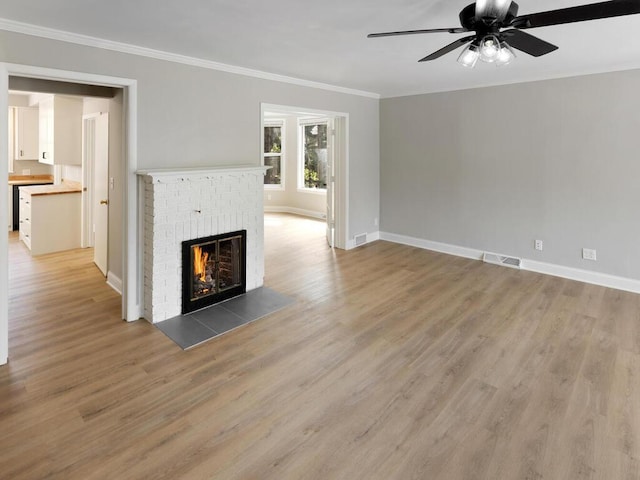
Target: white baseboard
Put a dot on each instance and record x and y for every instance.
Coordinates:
(586, 276)
(434, 246)
(296, 211)
(114, 282)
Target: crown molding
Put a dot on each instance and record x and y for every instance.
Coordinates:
(88, 41)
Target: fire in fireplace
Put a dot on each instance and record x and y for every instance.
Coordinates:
(213, 269)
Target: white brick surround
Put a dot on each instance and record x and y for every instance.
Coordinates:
(191, 203)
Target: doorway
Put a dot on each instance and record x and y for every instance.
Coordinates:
(131, 261)
(316, 189)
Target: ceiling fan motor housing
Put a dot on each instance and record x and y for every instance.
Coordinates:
(486, 25)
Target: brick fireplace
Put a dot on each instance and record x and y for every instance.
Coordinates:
(188, 204)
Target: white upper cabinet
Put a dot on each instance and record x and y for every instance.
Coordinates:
(10, 138)
(25, 138)
(60, 124)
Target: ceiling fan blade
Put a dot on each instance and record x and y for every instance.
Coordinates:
(582, 13)
(449, 48)
(527, 43)
(497, 9)
(413, 32)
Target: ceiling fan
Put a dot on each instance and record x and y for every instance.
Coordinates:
(498, 29)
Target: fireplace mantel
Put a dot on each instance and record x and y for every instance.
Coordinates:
(173, 174)
(188, 203)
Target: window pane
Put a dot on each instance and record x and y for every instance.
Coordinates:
(273, 175)
(272, 139)
(315, 156)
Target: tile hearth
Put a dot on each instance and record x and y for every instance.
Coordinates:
(197, 327)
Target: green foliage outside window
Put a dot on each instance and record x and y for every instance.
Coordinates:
(273, 145)
(315, 156)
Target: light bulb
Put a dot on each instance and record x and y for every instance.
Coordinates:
(505, 55)
(469, 56)
(489, 48)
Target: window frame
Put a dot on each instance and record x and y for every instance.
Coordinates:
(303, 122)
(275, 122)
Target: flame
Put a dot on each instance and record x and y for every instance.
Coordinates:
(200, 259)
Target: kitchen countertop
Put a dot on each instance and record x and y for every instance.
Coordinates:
(29, 179)
(67, 187)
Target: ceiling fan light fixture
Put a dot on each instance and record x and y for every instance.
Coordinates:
(493, 21)
(489, 48)
(469, 56)
(505, 55)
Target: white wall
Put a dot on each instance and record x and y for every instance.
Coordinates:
(289, 196)
(191, 116)
(496, 168)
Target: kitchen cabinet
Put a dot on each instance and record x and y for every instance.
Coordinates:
(17, 181)
(25, 133)
(60, 130)
(10, 139)
(50, 218)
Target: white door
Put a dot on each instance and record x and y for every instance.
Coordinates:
(96, 151)
(101, 192)
(331, 178)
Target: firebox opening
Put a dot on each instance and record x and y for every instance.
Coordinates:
(214, 269)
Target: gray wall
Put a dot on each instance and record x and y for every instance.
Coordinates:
(190, 116)
(495, 168)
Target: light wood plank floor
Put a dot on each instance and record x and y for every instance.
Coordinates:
(394, 363)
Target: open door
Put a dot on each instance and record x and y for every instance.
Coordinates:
(101, 192)
(331, 179)
(95, 164)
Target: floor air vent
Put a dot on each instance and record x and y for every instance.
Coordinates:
(496, 259)
(360, 239)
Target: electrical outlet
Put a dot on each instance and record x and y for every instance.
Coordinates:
(589, 254)
(112, 183)
(375, 221)
(538, 245)
(269, 196)
(26, 171)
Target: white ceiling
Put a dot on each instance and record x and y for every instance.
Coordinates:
(325, 41)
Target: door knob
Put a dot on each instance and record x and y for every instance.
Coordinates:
(104, 202)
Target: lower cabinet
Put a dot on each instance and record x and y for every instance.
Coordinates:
(50, 223)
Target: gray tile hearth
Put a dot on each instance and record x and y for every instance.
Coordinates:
(198, 327)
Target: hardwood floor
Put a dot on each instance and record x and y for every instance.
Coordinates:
(394, 363)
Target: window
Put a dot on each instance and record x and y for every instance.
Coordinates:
(273, 147)
(313, 158)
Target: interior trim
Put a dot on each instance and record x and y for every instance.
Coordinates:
(132, 296)
(295, 211)
(88, 41)
(570, 273)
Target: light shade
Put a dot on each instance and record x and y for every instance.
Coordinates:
(469, 56)
(489, 48)
(505, 55)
